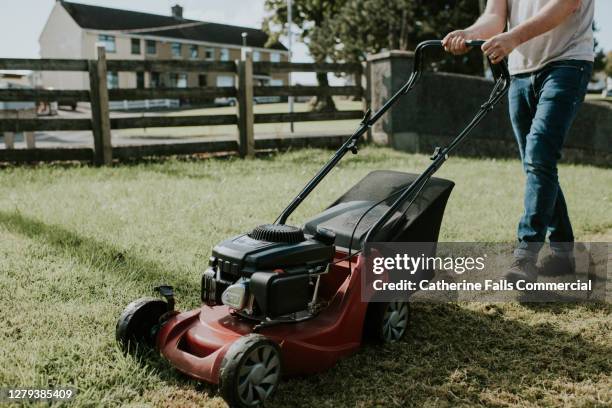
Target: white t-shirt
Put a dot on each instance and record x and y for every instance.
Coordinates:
(571, 40)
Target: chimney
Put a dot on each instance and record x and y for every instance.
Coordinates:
(177, 12)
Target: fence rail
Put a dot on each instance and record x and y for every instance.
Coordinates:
(306, 67)
(172, 93)
(42, 95)
(45, 64)
(101, 123)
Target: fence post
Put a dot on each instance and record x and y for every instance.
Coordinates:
(100, 116)
(367, 95)
(29, 135)
(9, 140)
(245, 105)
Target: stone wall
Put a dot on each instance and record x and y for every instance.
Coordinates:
(442, 104)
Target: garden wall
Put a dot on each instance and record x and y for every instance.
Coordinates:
(441, 104)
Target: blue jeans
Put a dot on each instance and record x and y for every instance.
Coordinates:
(543, 105)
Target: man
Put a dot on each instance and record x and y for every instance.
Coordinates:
(550, 48)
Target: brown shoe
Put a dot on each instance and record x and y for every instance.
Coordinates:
(522, 269)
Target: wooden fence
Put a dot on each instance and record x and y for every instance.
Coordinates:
(101, 123)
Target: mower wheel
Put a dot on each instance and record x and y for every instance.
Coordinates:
(250, 371)
(138, 323)
(386, 322)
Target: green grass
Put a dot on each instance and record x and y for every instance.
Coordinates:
(78, 243)
(340, 127)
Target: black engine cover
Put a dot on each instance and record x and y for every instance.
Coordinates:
(242, 256)
(278, 294)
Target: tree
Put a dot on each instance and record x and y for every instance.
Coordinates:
(600, 56)
(309, 16)
(349, 30)
(608, 68)
(369, 26)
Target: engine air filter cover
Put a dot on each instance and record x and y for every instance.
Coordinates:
(278, 233)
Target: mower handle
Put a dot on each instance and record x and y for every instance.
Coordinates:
(500, 70)
(500, 88)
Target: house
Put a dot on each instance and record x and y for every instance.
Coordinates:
(74, 30)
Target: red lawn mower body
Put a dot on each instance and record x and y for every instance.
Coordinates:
(195, 342)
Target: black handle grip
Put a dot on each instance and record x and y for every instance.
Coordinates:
(500, 70)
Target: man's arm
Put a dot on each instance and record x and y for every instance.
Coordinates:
(492, 22)
(549, 17)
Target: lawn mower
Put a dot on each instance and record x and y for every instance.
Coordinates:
(283, 300)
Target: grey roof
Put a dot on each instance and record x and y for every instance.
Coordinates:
(104, 18)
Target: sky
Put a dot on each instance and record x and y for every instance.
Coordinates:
(22, 21)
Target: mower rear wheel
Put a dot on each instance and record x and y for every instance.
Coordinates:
(250, 371)
(387, 322)
(139, 322)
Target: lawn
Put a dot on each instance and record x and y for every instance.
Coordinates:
(77, 243)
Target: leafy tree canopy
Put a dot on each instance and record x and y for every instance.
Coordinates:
(349, 30)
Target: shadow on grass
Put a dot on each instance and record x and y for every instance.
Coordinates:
(93, 253)
(454, 356)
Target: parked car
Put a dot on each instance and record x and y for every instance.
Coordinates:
(266, 99)
(225, 101)
(69, 103)
(596, 85)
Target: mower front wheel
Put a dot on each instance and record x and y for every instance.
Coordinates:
(387, 322)
(138, 323)
(250, 371)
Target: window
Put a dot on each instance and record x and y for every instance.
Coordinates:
(202, 80)
(176, 50)
(225, 80)
(112, 80)
(108, 41)
(193, 52)
(256, 56)
(182, 81)
(140, 80)
(136, 46)
(155, 83)
(209, 54)
(275, 57)
(178, 80)
(224, 54)
(151, 47)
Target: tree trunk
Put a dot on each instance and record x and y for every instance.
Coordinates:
(323, 103)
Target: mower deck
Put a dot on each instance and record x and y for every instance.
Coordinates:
(196, 342)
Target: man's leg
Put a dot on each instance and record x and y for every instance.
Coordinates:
(561, 261)
(560, 90)
(561, 234)
(522, 104)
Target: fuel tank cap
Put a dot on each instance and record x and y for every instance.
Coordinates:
(278, 233)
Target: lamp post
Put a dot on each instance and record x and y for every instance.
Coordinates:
(290, 34)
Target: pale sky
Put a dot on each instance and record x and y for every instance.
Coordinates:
(22, 21)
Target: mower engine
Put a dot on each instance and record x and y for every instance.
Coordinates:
(269, 273)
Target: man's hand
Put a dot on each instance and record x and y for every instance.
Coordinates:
(454, 42)
(500, 46)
